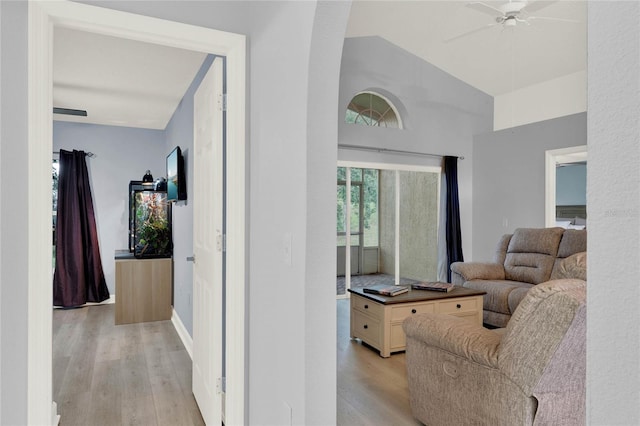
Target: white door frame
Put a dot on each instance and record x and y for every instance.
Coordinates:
(43, 17)
(552, 158)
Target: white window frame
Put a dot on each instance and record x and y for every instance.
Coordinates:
(387, 100)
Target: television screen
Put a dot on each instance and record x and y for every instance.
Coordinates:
(176, 184)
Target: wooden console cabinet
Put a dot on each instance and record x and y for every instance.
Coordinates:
(143, 290)
(377, 320)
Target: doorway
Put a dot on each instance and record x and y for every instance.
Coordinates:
(392, 218)
(42, 16)
(553, 159)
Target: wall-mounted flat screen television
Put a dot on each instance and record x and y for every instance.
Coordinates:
(176, 180)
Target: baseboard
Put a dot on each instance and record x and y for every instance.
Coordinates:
(55, 417)
(187, 341)
(111, 300)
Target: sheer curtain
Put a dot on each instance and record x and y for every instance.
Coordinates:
(78, 276)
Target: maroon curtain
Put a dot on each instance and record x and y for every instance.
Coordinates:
(78, 276)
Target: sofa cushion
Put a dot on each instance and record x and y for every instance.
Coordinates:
(574, 266)
(501, 249)
(532, 268)
(536, 240)
(573, 241)
(497, 297)
(516, 296)
(531, 254)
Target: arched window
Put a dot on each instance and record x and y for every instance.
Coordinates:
(372, 109)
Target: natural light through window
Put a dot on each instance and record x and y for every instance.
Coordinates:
(372, 109)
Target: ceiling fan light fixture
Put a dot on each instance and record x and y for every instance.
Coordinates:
(510, 21)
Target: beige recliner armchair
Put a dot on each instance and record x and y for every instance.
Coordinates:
(531, 372)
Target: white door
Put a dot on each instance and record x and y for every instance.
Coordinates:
(208, 244)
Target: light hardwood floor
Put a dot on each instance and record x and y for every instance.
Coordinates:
(133, 374)
(371, 390)
(140, 374)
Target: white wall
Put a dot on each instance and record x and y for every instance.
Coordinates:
(613, 182)
(320, 304)
(559, 97)
(0, 225)
(122, 154)
(14, 176)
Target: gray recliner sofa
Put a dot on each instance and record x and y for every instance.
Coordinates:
(533, 372)
(527, 257)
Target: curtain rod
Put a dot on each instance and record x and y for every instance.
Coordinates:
(88, 154)
(390, 151)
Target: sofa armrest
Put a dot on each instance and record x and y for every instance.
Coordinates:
(455, 335)
(467, 271)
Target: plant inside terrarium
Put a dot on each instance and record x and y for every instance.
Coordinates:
(153, 235)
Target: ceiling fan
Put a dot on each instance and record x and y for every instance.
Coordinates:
(510, 14)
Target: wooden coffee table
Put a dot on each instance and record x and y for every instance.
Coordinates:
(377, 320)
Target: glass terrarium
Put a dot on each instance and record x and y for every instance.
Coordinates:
(149, 221)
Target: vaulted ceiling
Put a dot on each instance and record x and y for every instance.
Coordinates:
(128, 83)
(495, 59)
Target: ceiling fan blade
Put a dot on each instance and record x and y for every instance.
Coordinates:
(476, 30)
(535, 6)
(69, 111)
(485, 8)
(548, 18)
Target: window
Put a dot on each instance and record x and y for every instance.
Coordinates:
(364, 206)
(372, 109)
(387, 223)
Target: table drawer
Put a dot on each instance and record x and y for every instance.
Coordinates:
(367, 306)
(398, 313)
(366, 328)
(460, 305)
(398, 340)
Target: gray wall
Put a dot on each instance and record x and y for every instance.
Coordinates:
(613, 338)
(509, 176)
(179, 132)
(440, 113)
(571, 185)
(122, 154)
